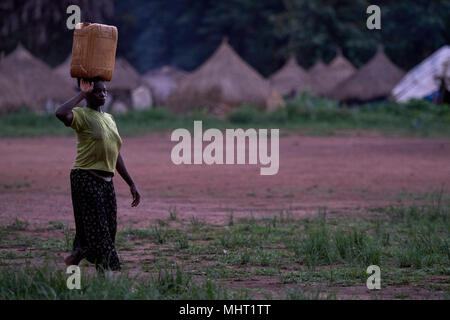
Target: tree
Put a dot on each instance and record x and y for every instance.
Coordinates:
(39, 24)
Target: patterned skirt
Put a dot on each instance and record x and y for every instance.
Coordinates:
(95, 211)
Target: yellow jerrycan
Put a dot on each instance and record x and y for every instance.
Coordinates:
(93, 51)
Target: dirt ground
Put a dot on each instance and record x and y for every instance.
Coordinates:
(345, 174)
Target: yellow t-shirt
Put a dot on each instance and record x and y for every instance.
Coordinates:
(99, 141)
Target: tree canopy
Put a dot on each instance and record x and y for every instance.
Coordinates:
(184, 33)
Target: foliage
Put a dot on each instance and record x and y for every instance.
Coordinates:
(41, 24)
(49, 283)
(418, 117)
(409, 243)
(184, 33)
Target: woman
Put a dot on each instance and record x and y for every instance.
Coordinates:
(93, 196)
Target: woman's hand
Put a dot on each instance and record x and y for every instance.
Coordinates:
(136, 196)
(86, 86)
(64, 112)
(122, 170)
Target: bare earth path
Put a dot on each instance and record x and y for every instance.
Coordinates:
(347, 175)
(344, 174)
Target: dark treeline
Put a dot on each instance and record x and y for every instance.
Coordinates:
(185, 32)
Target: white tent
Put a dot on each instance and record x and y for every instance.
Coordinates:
(422, 80)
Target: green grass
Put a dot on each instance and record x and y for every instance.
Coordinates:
(314, 115)
(409, 243)
(158, 234)
(17, 225)
(325, 246)
(56, 225)
(173, 213)
(49, 283)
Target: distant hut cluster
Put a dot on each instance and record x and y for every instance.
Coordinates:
(292, 79)
(339, 79)
(125, 91)
(225, 81)
(329, 76)
(25, 81)
(373, 81)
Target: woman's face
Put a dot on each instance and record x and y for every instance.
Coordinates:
(98, 95)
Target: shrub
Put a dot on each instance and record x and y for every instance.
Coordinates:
(244, 114)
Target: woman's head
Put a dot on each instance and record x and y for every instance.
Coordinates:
(97, 96)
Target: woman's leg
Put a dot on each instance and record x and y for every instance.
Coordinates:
(93, 238)
(109, 205)
(76, 186)
(111, 209)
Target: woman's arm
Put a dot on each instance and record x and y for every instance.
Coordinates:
(64, 112)
(122, 170)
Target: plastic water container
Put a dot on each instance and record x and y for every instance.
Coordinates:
(93, 51)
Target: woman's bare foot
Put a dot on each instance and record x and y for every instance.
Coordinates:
(71, 260)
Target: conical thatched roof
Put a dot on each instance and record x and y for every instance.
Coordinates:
(34, 77)
(374, 80)
(341, 65)
(337, 71)
(125, 77)
(223, 81)
(292, 77)
(162, 81)
(318, 67)
(12, 96)
(63, 70)
(327, 77)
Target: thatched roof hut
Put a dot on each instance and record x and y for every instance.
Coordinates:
(162, 81)
(35, 78)
(125, 76)
(12, 97)
(292, 78)
(63, 70)
(124, 81)
(341, 66)
(337, 71)
(222, 82)
(318, 67)
(373, 81)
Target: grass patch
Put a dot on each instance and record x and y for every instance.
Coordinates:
(410, 244)
(314, 115)
(17, 225)
(56, 225)
(173, 214)
(49, 283)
